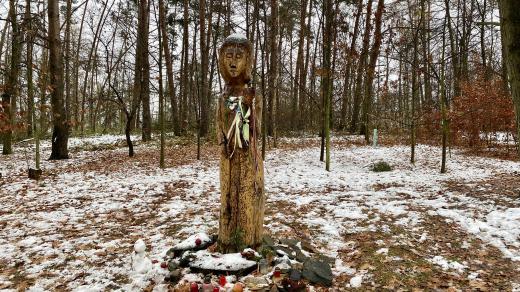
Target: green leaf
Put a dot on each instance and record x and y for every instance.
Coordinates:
(245, 130)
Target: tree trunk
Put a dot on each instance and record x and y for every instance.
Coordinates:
(139, 71)
(184, 68)
(374, 54)
(425, 44)
(68, 96)
(510, 25)
(273, 68)
(264, 100)
(415, 93)
(359, 75)
(11, 87)
(76, 69)
(60, 134)
(161, 93)
(299, 79)
(2, 38)
(30, 87)
(242, 197)
(142, 37)
(43, 80)
(444, 108)
(327, 78)
(169, 67)
(304, 73)
(204, 55)
(454, 52)
(348, 68)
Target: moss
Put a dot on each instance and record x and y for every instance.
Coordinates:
(237, 239)
(381, 166)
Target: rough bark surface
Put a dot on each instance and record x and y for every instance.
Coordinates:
(142, 38)
(169, 67)
(60, 134)
(510, 24)
(359, 76)
(10, 91)
(241, 184)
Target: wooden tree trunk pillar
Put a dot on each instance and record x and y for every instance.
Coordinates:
(241, 167)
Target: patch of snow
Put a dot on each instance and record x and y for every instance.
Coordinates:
(191, 242)
(447, 265)
(215, 261)
(339, 268)
(87, 288)
(304, 252)
(237, 36)
(356, 281)
(473, 276)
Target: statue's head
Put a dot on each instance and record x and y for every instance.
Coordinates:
(235, 60)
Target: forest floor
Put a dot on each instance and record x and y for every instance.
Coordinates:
(411, 228)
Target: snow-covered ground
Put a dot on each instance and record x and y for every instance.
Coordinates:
(76, 228)
(499, 137)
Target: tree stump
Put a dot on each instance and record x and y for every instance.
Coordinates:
(34, 173)
(241, 167)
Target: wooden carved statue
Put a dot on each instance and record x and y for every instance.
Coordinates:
(238, 117)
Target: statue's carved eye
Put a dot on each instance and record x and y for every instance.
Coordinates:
(239, 55)
(229, 55)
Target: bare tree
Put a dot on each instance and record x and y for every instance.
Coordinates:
(11, 87)
(143, 76)
(169, 67)
(60, 134)
(510, 25)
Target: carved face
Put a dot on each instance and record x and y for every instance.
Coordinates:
(235, 63)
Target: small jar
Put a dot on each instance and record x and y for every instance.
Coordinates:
(207, 287)
(262, 267)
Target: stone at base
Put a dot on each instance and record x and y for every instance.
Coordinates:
(35, 173)
(256, 283)
(174, 276)
(317, 272)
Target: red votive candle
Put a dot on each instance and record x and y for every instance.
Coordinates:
(277, 273)
(222, 281)
(194, 287)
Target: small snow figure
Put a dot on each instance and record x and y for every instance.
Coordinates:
(139, 246)
(140, 263)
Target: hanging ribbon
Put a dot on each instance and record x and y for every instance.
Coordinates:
(239, 129)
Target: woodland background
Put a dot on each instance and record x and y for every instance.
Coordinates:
(420, 72)
(417, 70)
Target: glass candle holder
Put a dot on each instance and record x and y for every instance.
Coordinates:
(262, 267)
